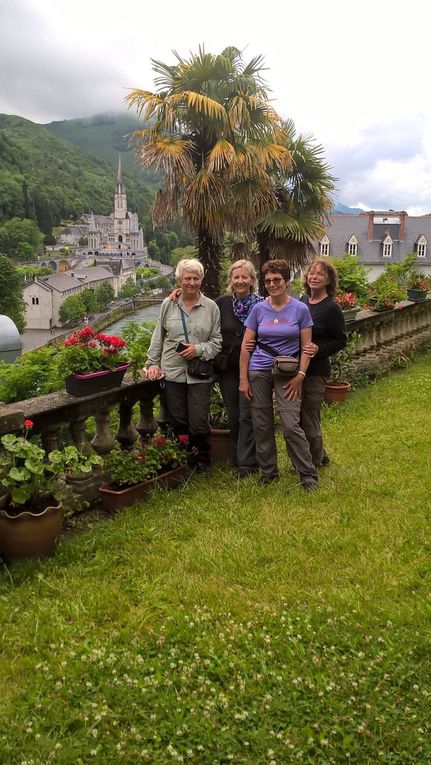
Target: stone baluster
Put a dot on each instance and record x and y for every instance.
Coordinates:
(103, 442)
(127, 433)
(147, 425)
(77, 428)
(50, 437)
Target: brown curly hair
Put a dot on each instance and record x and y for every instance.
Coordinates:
(331, 272)
(277, 267)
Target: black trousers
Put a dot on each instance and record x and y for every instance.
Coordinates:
(188, 406)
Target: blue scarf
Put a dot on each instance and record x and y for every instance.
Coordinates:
(242, 306)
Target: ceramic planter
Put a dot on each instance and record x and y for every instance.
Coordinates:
(221, 449)
(416, 295)
(96, 382)
(30, 535)
(350, 313)
(115, 499)
(336, 391)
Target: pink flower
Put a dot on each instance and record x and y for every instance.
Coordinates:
(184, 439)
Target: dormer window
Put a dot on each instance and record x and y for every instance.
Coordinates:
(421, 247)
(387, 246)
(324, 246)
(352, 245)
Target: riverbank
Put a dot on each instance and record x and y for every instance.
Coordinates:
(37, 338)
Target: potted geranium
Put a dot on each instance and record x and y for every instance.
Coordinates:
(161, 461)
(92, 362)
(417, 287)
(337, 387)
(385, 293)
(348, 303)
(30, 509)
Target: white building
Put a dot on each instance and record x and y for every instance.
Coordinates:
(45, 294)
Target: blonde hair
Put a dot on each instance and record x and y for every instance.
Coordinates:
(189, 264)
(249, 266)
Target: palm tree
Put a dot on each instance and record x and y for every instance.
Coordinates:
(216, 138)
(303, 203)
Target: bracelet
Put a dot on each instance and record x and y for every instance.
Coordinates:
(300, 372)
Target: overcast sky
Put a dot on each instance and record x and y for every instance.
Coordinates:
(355, 75)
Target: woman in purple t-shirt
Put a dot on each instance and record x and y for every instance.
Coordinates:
(284, 324)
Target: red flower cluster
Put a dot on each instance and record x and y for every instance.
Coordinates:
(28, 423)
(159, 440)
(347, 300)
(183, 440)
(109, 343)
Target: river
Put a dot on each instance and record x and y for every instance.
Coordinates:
(149, 313)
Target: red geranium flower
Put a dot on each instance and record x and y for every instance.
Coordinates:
(184, 439)
(28, 423)
(159, 441)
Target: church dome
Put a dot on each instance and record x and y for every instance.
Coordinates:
(10, 341)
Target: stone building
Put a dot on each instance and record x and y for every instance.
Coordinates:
(377, 238)
(45, 294)
(116, 234)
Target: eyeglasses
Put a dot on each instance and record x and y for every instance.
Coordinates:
(276, 280)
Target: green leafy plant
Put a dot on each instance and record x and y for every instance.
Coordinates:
(352, 275)
(146, 461)
(386, 292)
(31, 476)
(418, 281)
(85, 352)
(340, 362)
(138, 339)
(219, 415)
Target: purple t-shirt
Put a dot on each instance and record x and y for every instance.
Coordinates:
(278, 329)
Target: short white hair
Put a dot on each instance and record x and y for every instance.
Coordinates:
(249, 266)
(189, 264)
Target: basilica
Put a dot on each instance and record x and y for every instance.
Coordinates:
(116, 234)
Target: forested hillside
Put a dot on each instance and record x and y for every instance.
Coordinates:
(105, 136)
(48, 179)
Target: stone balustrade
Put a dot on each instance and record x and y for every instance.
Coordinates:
(51, 412)
(387, 337)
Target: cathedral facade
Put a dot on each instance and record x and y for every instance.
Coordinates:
(118, 233)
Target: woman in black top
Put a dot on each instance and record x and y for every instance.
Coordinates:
(234, 310)
(328, 337)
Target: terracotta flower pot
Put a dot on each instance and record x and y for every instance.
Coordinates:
(30, 535)
(96, 382)
(114, 499)
(336, 392)
(219, 439)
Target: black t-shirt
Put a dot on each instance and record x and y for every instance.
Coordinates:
(328, 332)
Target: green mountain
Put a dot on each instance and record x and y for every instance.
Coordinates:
(106, 136)
(49, 179)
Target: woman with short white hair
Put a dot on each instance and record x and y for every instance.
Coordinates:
(186, 330)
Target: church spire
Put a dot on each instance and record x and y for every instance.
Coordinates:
(120, 180)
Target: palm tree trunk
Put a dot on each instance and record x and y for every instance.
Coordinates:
(209, 256)
(262, 238)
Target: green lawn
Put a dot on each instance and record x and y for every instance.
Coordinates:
(227, 622)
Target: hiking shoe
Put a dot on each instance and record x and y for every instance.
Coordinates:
(264, 480)
(309, 485)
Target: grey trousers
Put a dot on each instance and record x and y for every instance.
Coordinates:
(313, 393)
(243, 445)
(263, 384)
